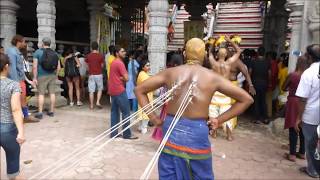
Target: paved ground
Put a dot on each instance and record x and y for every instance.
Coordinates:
(254, 154)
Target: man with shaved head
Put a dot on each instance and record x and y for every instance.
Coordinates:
(220, 102)
(187, 153)
(309, 109)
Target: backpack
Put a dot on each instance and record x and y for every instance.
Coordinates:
(70, 67)
(49, 60)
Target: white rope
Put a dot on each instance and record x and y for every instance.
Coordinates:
(185, 102)
(108, 141)
(103, 135)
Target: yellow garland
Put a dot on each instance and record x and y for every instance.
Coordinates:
(192, 62)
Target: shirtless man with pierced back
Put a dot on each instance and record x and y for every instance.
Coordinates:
(187, 153)
(221, 102)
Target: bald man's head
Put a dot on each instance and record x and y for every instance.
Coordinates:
(313, 52)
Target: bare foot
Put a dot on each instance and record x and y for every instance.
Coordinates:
(230, 138)
(214, 134)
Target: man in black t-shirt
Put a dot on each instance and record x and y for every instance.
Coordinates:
(260, 73)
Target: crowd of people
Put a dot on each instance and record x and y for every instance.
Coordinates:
(238, 76)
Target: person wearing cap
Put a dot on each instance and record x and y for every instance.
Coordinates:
(44, 80)
(17, 73)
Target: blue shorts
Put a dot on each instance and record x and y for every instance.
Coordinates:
(8, 142)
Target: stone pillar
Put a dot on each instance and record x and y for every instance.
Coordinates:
(295, 42)
(8, 21)
(275, 27)
(157, 46)
(95, 7)
(46, 14)
(314, 22)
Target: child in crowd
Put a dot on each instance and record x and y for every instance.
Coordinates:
(143, 75)
(291, 83)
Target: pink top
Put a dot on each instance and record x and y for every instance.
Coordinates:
(294, 82)
(115, 84)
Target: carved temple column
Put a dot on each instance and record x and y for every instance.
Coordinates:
(314, 21)
(157, 45)
(8, 20)
(310, 23)
(295, 42)
(46, 14)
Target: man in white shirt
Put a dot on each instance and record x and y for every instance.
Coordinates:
(309, 109)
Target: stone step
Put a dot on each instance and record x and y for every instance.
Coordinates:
(178, 35)
(234, 4)
(240, 10)
(239, 31)
(233, 26)
(242, 20)
(174, 47)
(177, 41)
(249, 6)
(244, 36)
(226, 16)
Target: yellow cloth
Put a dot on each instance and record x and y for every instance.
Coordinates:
(108, 62)
(220, 103)
(61, 71)
(142, 77)
(283, 73)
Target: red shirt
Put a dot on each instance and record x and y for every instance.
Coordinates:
(115, 84)
(274, 74)
(95, 62)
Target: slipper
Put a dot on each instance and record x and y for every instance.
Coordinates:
(99, 106)
(132, 138)
(304, 170)
(266, 121)
(287, 157)
(257, 122)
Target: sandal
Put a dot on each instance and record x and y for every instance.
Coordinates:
(132, 137)
(289, 157)
(99, 106)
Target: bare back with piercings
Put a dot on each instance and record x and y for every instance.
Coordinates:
(207, 82)
(222, 65)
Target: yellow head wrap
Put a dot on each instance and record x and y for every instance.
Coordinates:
(236, 39)
(220, 41)
(211, 41)
(195, 50)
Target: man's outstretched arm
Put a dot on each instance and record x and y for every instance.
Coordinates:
(236, 55)
(243, 101)
(147, 86)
